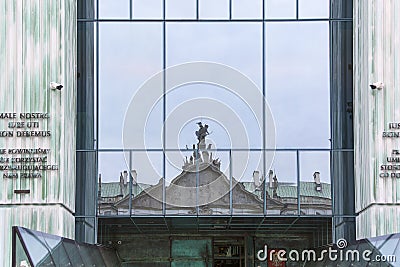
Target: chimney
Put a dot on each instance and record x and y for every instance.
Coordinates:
(99, 186)
(317, 181)
(270, 176)
(134, 177)
(275, 183)
(256, 178)
(125, 177)
(121, 184)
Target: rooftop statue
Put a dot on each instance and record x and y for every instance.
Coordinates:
(202, 132)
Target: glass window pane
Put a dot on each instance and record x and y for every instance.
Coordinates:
(280, 9)
(246, 9)
(114, 9)
(298, 83)
(147, 182)
(35, 245)
(247, 193)
(214, 9)
(57, 250)
(233, 111)
(281, 183)
(314, 8)
(181, 9)
(147, 9)
(129, 55)
(315, 184)
(234, 44)
(114, 187)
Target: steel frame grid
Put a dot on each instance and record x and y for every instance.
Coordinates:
(164, 21)
(295, 226)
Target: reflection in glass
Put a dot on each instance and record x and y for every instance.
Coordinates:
(237, 45)
(147, 183)
(281, 184)
(315, 183)
(298, 83)
(181, 9)
(247, 183)
(147, 9)
(113, 9)
(129, 55)
(214, 9)
(246, 9)
(201, 185)
(280, 9)
(314, 8)
(234, 122)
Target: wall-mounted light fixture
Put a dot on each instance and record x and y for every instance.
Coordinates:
(377, 86)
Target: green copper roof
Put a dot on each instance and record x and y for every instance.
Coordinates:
(113, 189)
(289, 190)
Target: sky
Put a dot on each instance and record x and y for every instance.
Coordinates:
(296, 84)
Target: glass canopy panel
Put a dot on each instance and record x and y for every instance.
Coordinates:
(73, 253)
(36, 245)
(21, 258)
(90, 255)
(56, 248)
(50, 250)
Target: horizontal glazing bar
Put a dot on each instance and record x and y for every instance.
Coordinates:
(217, 20)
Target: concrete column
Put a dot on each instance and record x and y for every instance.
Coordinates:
(37, 46)
(376, 58)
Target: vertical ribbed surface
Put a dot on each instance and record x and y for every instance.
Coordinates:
(376, 58)
(38, 46)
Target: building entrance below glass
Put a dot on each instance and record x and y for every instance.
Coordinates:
(209, 240)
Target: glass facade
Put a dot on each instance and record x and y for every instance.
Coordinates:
(295, 53)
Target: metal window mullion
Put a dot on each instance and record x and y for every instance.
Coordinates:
(164, 108)
(331, 155)
(130, 10)
(230, 184)
(298, 181)
(130, 182)
(263, 109)
(96, 159)
(230, 10)
(197, 9)
(197, 160)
